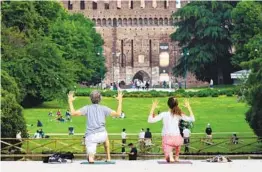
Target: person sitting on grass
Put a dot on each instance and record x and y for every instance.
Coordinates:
(171, 137)
(96, 118)
(50, 115)
(41, 133)
(68, 116)
(39, 123)
(37, 135)
(58, 113)
(60, 118)
(133, 152)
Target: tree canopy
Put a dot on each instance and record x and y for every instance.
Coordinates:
(247, 21)
(47, 50)
(247, 38)
(203, 29)
(12, 120)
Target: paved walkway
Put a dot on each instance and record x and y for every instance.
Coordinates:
(133, 166)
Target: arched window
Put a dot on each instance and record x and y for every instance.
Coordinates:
(161, 21)
(145, 21)
(119, 22)
(171, 21)
(155, 21)
(109, 22)
(114, 22)
(94, 21)
(135, 22)
(166, 21)
(129, 22)
(140, 21)
(98, 22)
(103, 22)
(124, 22)
(150, 22)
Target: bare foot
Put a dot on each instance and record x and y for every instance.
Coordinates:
(108, 160)
(90, 159)
(176, 159)
(171, 157)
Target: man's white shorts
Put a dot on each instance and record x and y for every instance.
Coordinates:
(92, 140)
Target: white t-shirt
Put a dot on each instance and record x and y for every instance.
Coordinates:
(186, 132)
(123, 135)
(170, 122)
(141, 135)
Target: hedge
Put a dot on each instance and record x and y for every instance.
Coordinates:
(178, 93)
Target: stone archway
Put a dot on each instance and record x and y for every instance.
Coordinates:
(142, 76)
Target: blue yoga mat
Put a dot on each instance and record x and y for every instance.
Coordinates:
(99, 163)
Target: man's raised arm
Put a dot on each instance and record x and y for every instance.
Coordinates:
(71, 98)
(119, 107)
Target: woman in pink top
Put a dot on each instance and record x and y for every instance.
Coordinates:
(171, 137)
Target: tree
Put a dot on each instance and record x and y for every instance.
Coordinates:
(247, 21)
(247, 38)
(46, 49)
(203, 28)
(8, 84)
(254, 83)
(12, 120)
(77, 38)
(43, 72)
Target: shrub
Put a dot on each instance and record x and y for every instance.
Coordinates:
(154, 93)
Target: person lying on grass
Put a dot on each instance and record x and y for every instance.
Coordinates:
(96, 114)
(171, 137)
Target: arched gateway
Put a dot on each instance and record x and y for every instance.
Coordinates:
(142, 76)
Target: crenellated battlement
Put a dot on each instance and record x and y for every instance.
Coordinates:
(124, 4)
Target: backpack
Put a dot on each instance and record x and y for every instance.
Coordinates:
(219, 158)
(59, 158)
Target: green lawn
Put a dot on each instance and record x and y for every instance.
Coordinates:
(224, 114)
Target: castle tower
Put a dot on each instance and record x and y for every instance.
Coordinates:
(137, 37)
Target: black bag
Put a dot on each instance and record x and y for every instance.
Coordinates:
(59, 158)
(67, 155)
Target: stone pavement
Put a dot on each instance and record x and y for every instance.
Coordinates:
(132, 166)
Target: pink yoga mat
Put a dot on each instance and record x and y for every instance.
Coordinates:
(180, 162)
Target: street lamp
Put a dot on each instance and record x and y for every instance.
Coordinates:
(99, 53)
(185, 53)
(113, 54)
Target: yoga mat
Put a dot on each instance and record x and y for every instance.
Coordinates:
(180, 162)
(99, 163)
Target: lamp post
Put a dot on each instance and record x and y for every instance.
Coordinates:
(185, 54)
(99, 53)
(113, 54)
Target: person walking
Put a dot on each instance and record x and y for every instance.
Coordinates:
(209, 134)
(171, 137)
(123, 136)
(186, 134)
(96, 115)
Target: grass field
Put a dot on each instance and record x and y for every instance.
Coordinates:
(224, 114)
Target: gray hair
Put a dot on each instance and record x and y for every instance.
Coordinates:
(95, 97)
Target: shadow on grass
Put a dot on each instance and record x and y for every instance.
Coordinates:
(55, 104)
